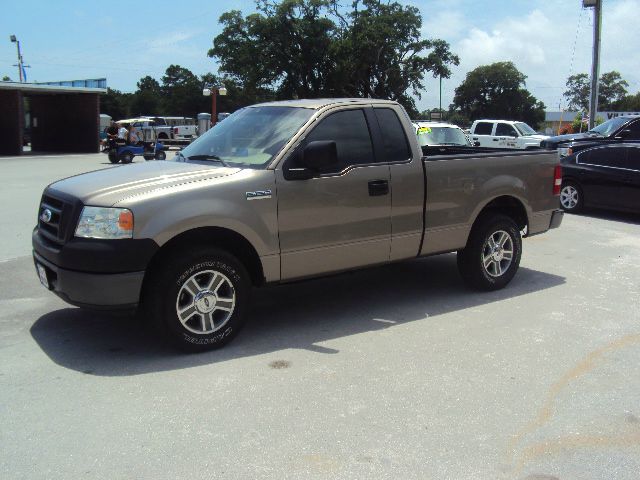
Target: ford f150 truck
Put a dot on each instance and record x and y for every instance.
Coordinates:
(278, 192)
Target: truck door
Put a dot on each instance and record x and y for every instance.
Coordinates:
(505, 136)
(483, 133)
(340, 219)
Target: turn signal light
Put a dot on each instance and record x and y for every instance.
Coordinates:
(557, 180)
(125, 220)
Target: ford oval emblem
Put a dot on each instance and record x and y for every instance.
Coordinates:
(45, 216)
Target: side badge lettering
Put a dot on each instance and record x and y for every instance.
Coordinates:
(259, 195)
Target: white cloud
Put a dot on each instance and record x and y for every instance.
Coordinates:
(541, 44)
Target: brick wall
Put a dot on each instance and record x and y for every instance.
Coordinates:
(11, 122)
(65, 122)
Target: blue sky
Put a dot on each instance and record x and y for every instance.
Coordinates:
(124, 41)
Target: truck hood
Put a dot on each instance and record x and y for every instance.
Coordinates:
(109, 186)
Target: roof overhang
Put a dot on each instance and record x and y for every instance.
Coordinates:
(48, 89)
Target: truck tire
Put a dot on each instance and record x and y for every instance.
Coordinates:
(571, 198)
(161, 155)
(198, 300)
(492, 254)
(113, 156)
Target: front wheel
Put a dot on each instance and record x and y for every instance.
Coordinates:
(160, 155)
(126, 157)
(571, 197)
(113, 156)
(492, 254)
(198, 301)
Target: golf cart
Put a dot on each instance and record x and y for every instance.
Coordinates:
(149, 147)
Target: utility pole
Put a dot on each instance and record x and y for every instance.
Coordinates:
(21, 66)
(595, 64)
(441, 95)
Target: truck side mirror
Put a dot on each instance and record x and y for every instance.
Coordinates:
(314, 158)
(319, 155)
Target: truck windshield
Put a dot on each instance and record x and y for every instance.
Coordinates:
(525, 129)
(250, 137)
(441, 136)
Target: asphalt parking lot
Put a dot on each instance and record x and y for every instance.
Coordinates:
(395, 372)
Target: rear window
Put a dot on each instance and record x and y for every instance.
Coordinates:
(396, 145)
(483, 128)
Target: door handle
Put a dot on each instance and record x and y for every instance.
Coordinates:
(378, 187)
(495, 139)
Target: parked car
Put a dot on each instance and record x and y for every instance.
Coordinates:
(604, 176)
(278, 192)
(438, 133)
(617, 130)
(505, 134)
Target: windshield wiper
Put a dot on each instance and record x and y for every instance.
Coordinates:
(208, 157)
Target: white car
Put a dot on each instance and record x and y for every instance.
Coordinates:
(505, 134)
(438, 133)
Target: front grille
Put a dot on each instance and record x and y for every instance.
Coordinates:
(57, 216)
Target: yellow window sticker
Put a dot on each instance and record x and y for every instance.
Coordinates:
(423, 130)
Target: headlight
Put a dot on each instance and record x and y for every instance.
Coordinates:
(564, 151)
(99, 222)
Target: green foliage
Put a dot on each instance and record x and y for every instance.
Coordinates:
(629, 103)
(317, 48)
(6, 78)
(148, 98)
(497, 91)
(116, 104)
(611, 89)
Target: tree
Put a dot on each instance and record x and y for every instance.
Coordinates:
(6, 78)
(611, 89)
(497, 91)
(148, 98)
(181, 91)
(116, 104)
(629, 103)
(577, 93)
(316, 48)
(380, 53)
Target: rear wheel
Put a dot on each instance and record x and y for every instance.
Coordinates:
(198, 301)
(161, 155)
(492, 254)
(571, 198)
(113, 156)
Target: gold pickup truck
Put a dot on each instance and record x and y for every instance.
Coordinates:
(278, 192)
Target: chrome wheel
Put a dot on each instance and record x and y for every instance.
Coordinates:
(569, 197)
(497, 253)
(205, 302)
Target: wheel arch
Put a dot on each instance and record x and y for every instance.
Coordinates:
(219, 237)
(508, 205)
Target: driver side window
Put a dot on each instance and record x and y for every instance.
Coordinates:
(350, 131)
(505, 130)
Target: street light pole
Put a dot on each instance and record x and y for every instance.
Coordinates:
(595, 64)
(17, 42)
(213, 91)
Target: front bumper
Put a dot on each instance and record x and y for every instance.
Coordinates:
(92, 273)
(93, 290)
